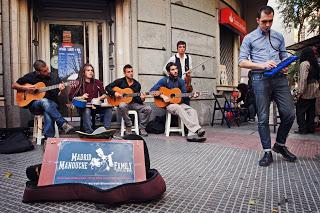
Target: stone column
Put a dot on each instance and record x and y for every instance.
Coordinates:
(123, 35)
(15, 58)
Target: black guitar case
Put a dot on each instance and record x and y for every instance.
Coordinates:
(151, 189)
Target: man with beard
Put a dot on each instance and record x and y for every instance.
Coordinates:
(187, 114)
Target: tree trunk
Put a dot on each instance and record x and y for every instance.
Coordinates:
(299, 32)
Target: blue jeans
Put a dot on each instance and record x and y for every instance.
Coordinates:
(50, 112)
(85, 114)
(277, 89)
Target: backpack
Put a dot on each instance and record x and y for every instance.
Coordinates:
(15, 140)
(157, 125)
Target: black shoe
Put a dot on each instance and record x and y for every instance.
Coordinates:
(311, 131)
(266, 160)
(284, 152)
(195, 138)
(300, 132)
(200, 132)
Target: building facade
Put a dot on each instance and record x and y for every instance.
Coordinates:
(109, 34)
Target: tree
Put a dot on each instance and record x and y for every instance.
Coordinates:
(296, 12)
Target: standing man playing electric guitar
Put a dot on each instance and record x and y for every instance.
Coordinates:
(144, 111)
(48, 106)
(186, 113)
(261, 50)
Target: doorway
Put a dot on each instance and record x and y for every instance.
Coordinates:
(67, 45)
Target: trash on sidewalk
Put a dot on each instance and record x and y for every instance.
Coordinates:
(252, 201)
(8, 174)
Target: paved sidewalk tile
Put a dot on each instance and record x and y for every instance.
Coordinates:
(220, 175)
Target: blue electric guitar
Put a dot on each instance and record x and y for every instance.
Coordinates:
(280, 66)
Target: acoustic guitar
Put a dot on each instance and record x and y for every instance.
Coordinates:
(24, 98)
(174, 95)
(127, 96)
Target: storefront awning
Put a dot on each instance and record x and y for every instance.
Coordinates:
(233, 21)
(314, 41)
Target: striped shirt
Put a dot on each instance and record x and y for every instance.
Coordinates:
(308, 90)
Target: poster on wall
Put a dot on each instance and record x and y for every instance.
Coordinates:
(69, 62)
(103, 164)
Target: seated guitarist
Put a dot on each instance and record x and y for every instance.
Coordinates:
(186, 113)
(48, 106)
(144, 111)
(87, 89)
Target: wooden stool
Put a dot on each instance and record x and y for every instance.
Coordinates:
(173, 129)
(135, 127)
(37, 129)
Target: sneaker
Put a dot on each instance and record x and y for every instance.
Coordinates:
(67, 127)
(266, 160)
(300, 132)
(283, 150)
(143, 132)
(200, 132)
(251, 121)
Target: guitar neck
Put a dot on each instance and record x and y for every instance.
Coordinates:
(183, 95)
(44, 89)
(138, 94)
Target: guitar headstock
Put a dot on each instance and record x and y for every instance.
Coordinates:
(204, 93)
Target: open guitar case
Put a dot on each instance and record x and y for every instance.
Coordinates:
(151, 189)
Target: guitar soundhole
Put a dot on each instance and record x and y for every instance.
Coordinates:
(36, 91)
(172, 96)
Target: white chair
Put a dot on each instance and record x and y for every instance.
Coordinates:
(169, 129)
(37, 129)
(135, 127)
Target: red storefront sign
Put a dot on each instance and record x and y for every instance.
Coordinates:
(233, 21)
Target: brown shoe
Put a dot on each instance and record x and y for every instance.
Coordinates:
(67, 127)
(128, 130)
(43, 144)
(143, 133)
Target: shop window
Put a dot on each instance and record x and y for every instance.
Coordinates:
(226, 52)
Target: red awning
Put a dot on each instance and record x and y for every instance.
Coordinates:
(233, 21)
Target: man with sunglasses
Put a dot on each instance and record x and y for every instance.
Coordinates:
(262, 50)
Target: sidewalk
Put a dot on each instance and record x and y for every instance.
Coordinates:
(220, 175)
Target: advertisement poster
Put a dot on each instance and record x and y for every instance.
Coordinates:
(100, 163)
(69, 61)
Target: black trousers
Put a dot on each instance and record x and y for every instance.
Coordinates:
(305, 112)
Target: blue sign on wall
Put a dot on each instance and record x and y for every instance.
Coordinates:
(69, 61)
